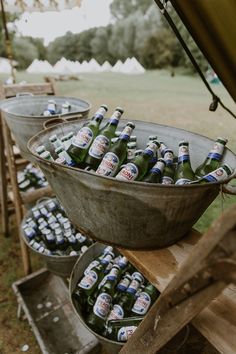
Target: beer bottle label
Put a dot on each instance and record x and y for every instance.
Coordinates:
(128, 173)
(117, 313)
(125, 135)
(92, 265)
(125, 333)
(123, 284)
(88, 281)
(167, 180)
(115, 117)
(168, 157)
(99, 147)
(183, 153)
(100, 113)
(102, 305)
(217, 151)
(107, 258)
(84, 138)
(109, 165)
(217, 175)
(113, 274)
(182, 181)
(133, 287)
(142, 304)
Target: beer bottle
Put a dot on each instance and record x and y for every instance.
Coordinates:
(136, 170)
(40, 149)
(55, 141)
(85, 136)
(89, 282)
(212, 160)
(162, 149)
(101, 143)
(122, 286)
(47, 156)
(184, 173)
(145, 299)
(122, 329)
(218, 175)
(117, 153)
(155, 174)
(107, 251)
(96, 319)
(131, 148)
(62, 153)
(169, 170)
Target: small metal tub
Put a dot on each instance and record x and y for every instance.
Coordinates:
(59, 265)
(23, 114)
(94, 251)
(133, 215)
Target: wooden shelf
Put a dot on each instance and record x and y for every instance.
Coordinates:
(217, 322)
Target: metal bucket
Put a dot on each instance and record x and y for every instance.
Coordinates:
(134, 215)
(59, 265)
(24, 115)
(94, 251)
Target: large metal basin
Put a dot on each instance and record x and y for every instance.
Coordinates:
(24, 115)
(132, 215)
(94, 251)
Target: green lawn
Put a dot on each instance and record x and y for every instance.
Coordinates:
(181, 101)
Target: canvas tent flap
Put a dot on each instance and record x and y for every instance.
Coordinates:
(212, 25)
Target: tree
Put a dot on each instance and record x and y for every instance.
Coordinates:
(24, 52)
(38, 43)
(121, 9)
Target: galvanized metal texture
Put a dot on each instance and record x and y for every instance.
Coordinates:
(24, 115)
(94, 251)
(44, 299)
(132, 215)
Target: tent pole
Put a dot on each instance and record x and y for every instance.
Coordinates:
(8, 42)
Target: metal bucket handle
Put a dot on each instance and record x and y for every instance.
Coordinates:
(40, 200)
(61, 119)
(23, 94)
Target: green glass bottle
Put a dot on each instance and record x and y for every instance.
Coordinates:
(85, 136)
(117, 153)
(169, 170)
(102, 142)
(97, 318)
(89, 282)
(212, 161)
(184, 173)
(155, 173)
(145, 299)
(121, 330)
(220, 174)
(97, 260)
(136, 170)
(122, 286)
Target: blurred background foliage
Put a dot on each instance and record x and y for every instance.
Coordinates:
(138, 30)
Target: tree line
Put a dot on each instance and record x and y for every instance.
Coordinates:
(138, 30)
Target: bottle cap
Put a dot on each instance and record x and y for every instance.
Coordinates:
(104, 106)
(183, 142)
(119, 109)
(132, 145)
(222, 139)
(59, 149)
(53, 138)
(40, 149)
(132, 125)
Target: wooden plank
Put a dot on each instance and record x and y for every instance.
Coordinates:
(36, 89)
(217, 322)
(160, 266)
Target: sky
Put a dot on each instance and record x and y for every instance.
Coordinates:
(49, 25)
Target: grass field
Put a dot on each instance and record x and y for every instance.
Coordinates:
(179, 101)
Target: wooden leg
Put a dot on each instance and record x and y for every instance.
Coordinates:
(16, 194)
(3, 185)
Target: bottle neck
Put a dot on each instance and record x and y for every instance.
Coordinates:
(217, 151)
(183, 156)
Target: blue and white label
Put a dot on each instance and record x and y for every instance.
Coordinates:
(125, 333)
(92, 265)
(117, 313)
(182, 181)
(113, 274)
(167, 180)
(100, 113)
(88, 281)
(126, 133)
(168, 157)
(217, 151)
(115, 117)
(83, 138)
(133, 287)
(218, 175)
(128, 173)
(109, 165)
(123, 284)
(183, 153)
(99, 147)
(102, 305)
(142, 304)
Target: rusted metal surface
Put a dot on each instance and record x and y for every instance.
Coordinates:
(24, 115)
(94, 251)
(44, 299)
(133, 215)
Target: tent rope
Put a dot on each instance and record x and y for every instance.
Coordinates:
(162, 4)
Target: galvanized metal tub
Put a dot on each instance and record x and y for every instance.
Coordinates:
(59, 265)
(94, 251)
(134, 215)
(24, 115)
